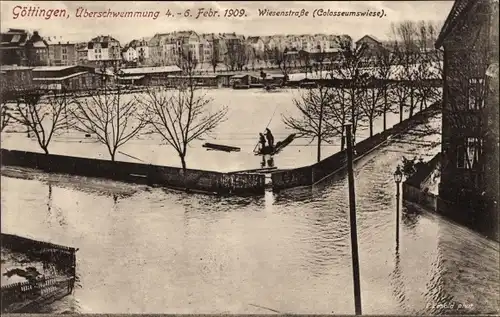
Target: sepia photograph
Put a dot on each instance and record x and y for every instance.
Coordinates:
(250, 157)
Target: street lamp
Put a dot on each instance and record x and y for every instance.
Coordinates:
(398, 176)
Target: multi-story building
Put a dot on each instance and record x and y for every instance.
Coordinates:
(207, 44)
(37, 50)
(257, 43)
(469, 185)
(142, 48)
(61, 53)
(129, 52)
(81, 53)
(103, 49)
(12, 47)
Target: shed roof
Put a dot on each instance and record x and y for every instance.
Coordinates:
(151, 70)
(59, 78)
(52, 68)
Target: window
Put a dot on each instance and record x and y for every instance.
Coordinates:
(64, 51)
(469, 153)
(476, 94)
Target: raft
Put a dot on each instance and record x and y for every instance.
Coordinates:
(219, 147)
(278, 148)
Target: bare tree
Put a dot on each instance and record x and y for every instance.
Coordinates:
(408, 53)
(385, 60)
(4, 115)
(338, 114)
(315, 119)
(312, 121)
(182, 115)
(112, 116)
(305, 61)
(371, 102)
(283, 61)
(349, 69)
(215, 56)
(44, 116)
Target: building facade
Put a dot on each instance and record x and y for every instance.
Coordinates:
(103, 49)
(470, 124)
(62, 53)
(12, 47)
(37, 50)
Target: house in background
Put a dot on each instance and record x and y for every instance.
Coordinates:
(469, 186)
(81, 53)
(104, 49)
(12, 47)
(61, 53)
(37, 50)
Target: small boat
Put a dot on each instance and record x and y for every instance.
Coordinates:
(219, 147)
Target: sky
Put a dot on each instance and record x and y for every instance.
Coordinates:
(74, 29)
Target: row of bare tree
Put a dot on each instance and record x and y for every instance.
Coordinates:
(114, 117)
(371, 83)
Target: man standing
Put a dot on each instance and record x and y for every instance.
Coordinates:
(270, 138)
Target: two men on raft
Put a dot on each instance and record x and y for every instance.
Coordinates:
(270, 140)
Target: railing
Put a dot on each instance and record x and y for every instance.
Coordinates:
(15, 296)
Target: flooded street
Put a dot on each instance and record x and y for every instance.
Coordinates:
(158, 251)
(249, 112)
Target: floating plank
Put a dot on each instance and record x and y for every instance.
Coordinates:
(219, 147)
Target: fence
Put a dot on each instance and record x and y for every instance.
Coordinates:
(63, 258)
(198, 180)
(15, 297)
(416, 195)
(312, 174)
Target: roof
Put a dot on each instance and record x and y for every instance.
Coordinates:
(371, 37)
(58, 78)
(131, 77)
(239, 76)
(103, 39)
(460, 7)
(151, 70)
(14, 67)
(52, 68)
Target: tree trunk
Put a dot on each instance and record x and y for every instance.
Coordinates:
(401, 112)
(385, 109)
(112, 156)
(183, 162)
(45, 149)
(411, 102)
(342, 141)
(371, 126)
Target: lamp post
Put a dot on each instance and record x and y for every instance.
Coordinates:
(398, 176)
(352, 219)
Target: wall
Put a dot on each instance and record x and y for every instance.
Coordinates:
(309, 175)
(197, 180)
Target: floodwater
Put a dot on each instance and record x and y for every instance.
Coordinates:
(249, 112)
(157, 251)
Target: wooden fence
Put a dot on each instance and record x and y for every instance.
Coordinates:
(15, 297)
(173, 177)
